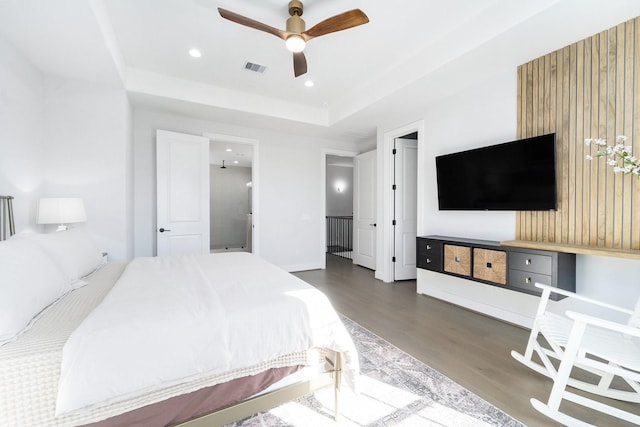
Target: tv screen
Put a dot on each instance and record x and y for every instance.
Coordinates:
(518, 175)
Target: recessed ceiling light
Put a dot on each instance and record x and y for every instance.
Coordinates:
(195, 53)
(228, 150)
(309, 83)
(235, 162)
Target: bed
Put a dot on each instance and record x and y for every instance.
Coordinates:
(158, 341)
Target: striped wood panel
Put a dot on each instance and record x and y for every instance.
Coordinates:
(589, 89)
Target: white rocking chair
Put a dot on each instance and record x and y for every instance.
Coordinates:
(603, 348)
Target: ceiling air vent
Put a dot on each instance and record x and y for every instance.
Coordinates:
(254, 67)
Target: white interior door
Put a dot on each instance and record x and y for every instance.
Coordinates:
(406, 208)
(364, 210)
(182, 181)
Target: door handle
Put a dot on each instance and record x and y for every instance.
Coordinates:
(162, 230)
(373, 225)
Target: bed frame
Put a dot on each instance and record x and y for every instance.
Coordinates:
(331, 374)
(270, 400)
(6, 217)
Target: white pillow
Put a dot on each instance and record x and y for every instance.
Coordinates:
(29, 282)
(73, 251)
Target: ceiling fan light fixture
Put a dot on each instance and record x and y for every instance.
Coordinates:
(295, 43)
(296, 35)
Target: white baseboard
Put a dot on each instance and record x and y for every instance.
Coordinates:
(510, 306)
(304, 267)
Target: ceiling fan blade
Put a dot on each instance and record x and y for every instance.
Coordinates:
(299, 64)
(340, 22)
(251, 23)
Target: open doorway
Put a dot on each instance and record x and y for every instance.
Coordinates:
(232, 194)
(342, 161)
(339, 206)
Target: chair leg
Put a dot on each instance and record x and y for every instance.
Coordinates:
(336, 386)
(568, 360)
(546, 368)
(552, 407)
(557, 415)
(559, 392)
(535, 347)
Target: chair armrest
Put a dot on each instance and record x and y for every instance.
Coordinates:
(583, 298)
(602, 323)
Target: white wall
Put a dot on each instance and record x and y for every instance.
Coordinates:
(61, 137)
(21, 142)
(289, 186)
(339, 203)
(482, 115)
(87, 151)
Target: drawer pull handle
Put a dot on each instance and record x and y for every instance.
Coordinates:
(428, 260)
(489, 265)
(527, 262)
(428, 247)
(527, 280)
(457, 259)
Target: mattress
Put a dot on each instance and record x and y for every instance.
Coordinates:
(30, 366)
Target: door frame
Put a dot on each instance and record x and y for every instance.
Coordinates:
(384, 270)
(255, 185)
(323, 197)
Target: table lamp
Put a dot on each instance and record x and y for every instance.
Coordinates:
(61, 211)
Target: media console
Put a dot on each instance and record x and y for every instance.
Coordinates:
(488, 262)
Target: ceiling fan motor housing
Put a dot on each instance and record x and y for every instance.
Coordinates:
(295, 24)
(295, 7)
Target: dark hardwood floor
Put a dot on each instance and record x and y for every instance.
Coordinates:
(470, 348)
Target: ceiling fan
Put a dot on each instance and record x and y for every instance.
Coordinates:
(295, 36)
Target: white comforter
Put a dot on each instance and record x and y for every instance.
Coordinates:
(173, 319)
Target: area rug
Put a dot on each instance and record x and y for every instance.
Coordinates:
(396, 390)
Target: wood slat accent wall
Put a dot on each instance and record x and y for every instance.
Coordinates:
(589, 89)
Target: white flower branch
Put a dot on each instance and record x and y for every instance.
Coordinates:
(619, 156)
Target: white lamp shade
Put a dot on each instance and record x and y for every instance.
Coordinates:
(61, 211)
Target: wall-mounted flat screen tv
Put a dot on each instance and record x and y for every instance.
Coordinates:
(518, 175)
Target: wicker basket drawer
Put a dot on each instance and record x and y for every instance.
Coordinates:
(490, 265)
(457, 259)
